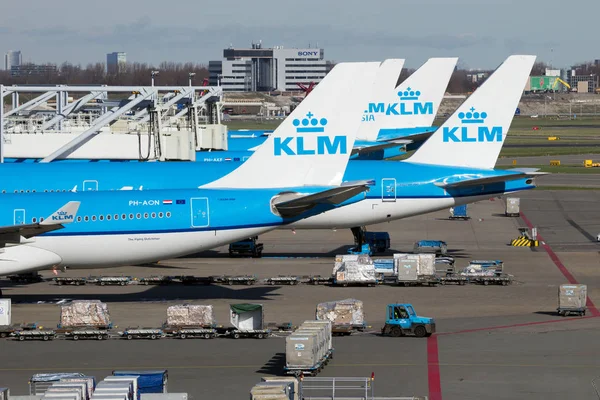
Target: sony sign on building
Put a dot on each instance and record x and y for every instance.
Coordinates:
(268, 69)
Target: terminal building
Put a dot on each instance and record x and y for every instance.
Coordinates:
(261, 69)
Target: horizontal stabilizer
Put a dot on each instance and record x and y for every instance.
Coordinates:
(64, 215)
(295, 206)
(487, 180)
(367, 148)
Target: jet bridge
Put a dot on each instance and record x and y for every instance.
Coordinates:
(92, 126)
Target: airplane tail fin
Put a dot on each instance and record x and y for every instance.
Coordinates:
(64, 215)
(312, 145)
(409, 108)
(473, 136)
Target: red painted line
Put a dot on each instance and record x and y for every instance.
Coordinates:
(561, 267)
(491, 328)
(433, 369)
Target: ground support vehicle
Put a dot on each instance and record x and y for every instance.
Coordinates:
(114, 280)
(38, 334)
(246, 248)
(156, 280)
(31, 277)
(142, 333)
(512, 207)
(63, 280)
(401, 320)
(282, 280)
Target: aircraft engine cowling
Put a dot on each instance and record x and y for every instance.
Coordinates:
(22, 258)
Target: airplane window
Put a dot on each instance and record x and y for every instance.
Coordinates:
(45, 190)
(108, 217)
(78, 219)
(41, 219)
(16, 191)
(21, 191)
(93, 217)
(160, 215)
(145, 215)
(138, 215)
(168, 214)
(51, 191)
(34, 220)
(153, 215)
(86, 218)
(27, 191)
(123, 216)
(101, 217)
(116, 216)
(33, 191)
(130, 216)
(4, 191)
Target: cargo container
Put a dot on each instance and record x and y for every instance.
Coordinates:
(459, 212)
(89, 381)
(415, 269)
(431, 246)
(81, 387)
(131, 380)
(512, 207)
(308, 349)
(355, 273)
(5, 312)
(39, 383)
(292, 384)
(247, 320)
(572, 299)
(4, 393)
(164, 396)
(148, 381)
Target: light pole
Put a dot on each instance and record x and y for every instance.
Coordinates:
(154, 73)
(190, 75)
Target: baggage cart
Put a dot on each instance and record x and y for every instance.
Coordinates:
(90, 333)
(503, 279)
(235, 280)
(320, 280)
(114, 280)
(196, 280)
(45, 335)
(195, 333)
(142, 333)
(283, 280)
(63, 280)
(156, 280)
(247, 320)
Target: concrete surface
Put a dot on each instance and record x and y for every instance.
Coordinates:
(494, 342)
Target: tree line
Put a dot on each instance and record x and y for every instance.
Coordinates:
(135, 74)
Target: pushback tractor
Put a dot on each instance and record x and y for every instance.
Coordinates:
(402, 320)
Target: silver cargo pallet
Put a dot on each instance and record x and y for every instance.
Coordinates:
(142, 333)
(44, 335)
(310, 371)
(113, 280)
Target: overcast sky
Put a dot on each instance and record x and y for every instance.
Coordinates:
(480, 32)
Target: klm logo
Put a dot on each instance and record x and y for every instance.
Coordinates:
(310, 139)
(62, 216)
(408, 104)
(471, 134)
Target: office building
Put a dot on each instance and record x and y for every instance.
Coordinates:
(13, 58)
(116, 63)
(268, 69)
